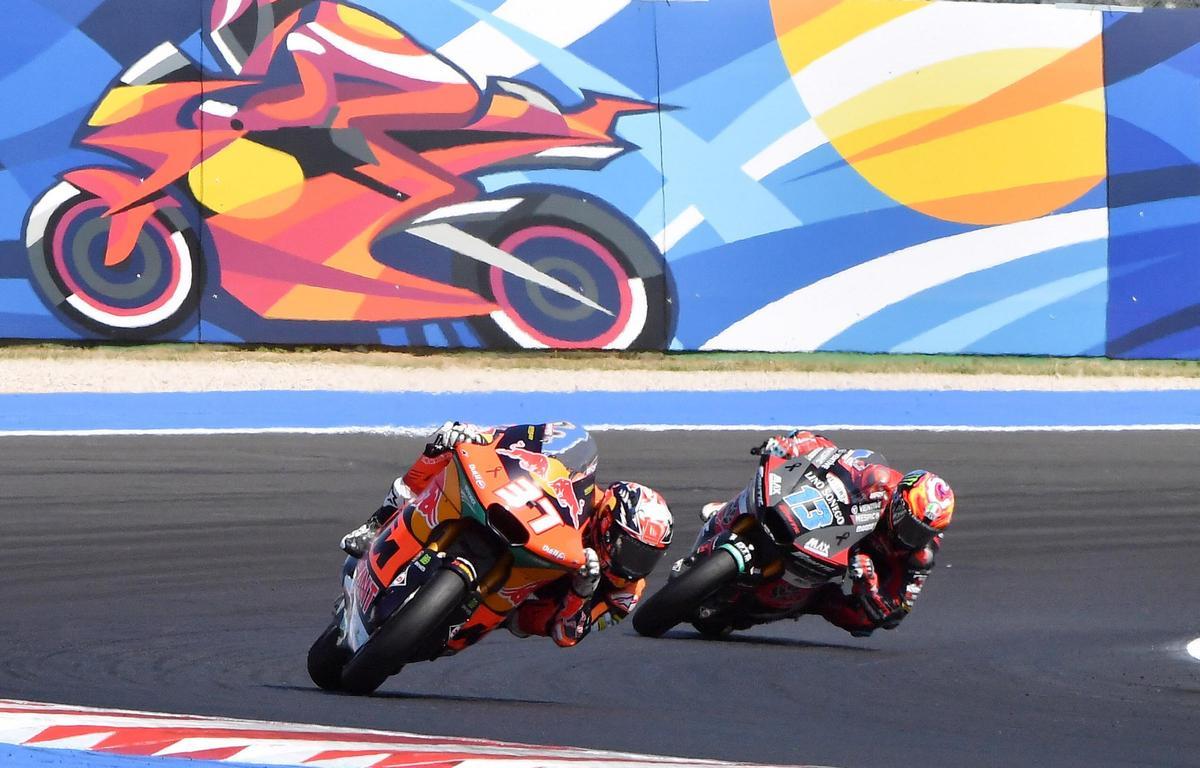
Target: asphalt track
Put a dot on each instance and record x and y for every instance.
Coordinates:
(189, 574)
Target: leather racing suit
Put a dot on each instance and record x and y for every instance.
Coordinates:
(886, 577)
(556, 610)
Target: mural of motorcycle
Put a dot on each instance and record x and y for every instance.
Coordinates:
(294, 217)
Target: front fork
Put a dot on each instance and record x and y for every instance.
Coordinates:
(473, 619)
(757, 556)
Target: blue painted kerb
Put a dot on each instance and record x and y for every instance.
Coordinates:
(331, 410)
(33, 757)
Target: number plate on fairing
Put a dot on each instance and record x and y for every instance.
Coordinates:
(814, 503)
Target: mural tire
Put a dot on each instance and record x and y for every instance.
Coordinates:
(610, 260)
(150, 294)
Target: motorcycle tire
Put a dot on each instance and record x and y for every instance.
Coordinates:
(592, 247)
(326, 659)
(712, 629)
(678, 600)
(147, 296)
(387, 649)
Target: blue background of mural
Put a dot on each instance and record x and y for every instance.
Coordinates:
(719, 68)
(1152, 67)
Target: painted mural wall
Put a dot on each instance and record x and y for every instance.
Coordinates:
(869, 175)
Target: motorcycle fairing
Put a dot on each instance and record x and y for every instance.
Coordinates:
(411, 547)
(815, 511)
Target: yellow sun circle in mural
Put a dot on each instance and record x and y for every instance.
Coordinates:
(968, 112)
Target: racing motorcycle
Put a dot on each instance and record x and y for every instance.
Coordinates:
(304, 225)
(763, 554)
(495, 526)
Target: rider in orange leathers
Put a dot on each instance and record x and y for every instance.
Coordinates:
(628, 530)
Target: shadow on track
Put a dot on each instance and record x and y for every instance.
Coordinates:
(780, 642)
(404, 696)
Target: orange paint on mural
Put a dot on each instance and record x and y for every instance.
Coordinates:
(789, 14)
(1002, 206)
(1075, 73)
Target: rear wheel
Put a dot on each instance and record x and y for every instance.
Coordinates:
(678, 600)
(326, 659)
(592, 249)
(390, 646)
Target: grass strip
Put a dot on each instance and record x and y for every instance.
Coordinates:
(832, 362)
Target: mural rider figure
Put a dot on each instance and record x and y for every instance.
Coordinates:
(330, 64)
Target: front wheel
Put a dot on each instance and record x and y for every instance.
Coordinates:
(326, 658)
(149, 293)
(592, 249)
(387, 649)
(678, 600)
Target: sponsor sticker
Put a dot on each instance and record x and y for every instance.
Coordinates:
(365, 588)
(817, 546)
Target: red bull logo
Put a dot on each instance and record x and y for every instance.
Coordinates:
(530, 461)
(566, 494)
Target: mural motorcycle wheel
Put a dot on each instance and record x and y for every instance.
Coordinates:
(588, 245)
(148, 294)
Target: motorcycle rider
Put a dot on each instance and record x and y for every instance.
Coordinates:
(326, 63)
(629, 530)
(889, 567)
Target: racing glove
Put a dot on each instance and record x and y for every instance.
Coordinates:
(792, 445)
(587, 578)
(862, 573)
(881, 611)
(775, 446)
(451, 434)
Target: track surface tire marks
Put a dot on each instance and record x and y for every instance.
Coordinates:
(190, 575)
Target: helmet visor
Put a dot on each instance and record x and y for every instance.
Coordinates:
(908, 530)
(633, 559)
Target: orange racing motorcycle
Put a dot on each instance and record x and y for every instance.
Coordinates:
(494, 527)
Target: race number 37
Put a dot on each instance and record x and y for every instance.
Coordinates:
(521, 492)
(810, 507)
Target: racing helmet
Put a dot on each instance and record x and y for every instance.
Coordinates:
(240, 26)
(633, 530)
(920, 509)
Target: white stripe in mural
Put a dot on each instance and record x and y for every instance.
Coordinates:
(482, 50)
(424, 66)
(960, 332)
(809, 317)
(936, 33)
(678, 227)
(790, 146)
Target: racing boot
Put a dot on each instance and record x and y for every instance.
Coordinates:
(359, 540)
(356, 542)
(710, 509)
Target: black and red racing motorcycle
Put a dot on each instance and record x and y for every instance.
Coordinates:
(764, 554)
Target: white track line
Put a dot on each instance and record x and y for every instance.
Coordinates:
(420, 431)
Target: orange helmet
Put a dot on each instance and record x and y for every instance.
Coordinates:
(633, 529)
(921, 508)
